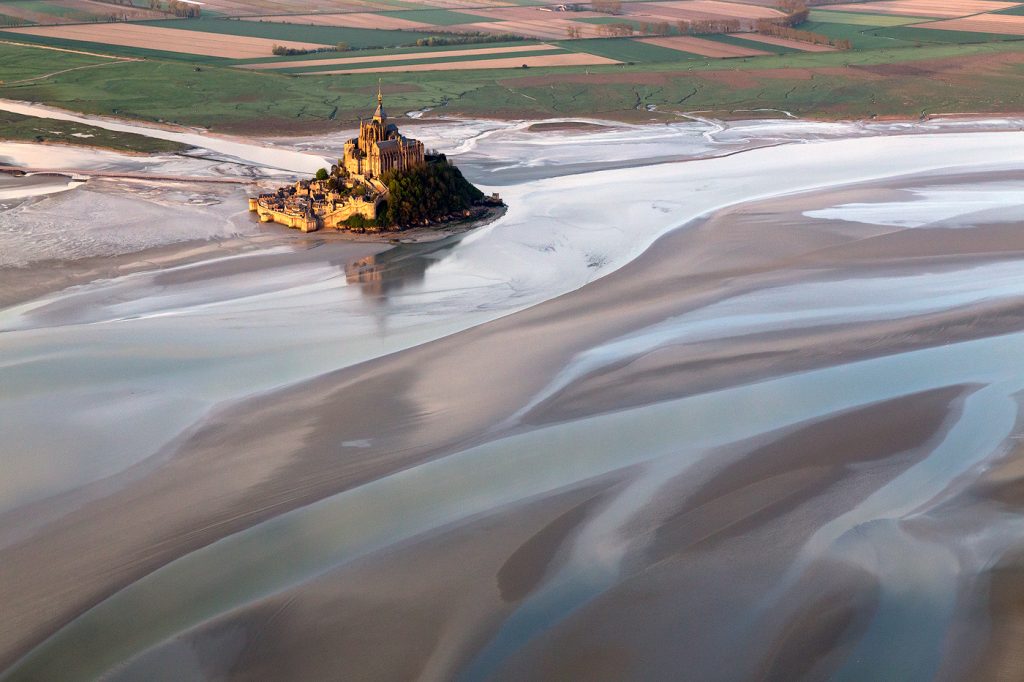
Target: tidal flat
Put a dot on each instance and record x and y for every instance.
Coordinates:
(735, 400)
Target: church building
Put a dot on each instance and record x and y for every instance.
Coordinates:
(380, 147)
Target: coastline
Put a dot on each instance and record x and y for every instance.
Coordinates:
(20, 284)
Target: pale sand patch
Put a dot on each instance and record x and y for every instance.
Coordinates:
(567, 59)
(699, 9)
(1008, 24)
(400, 57)
(541, 29)
(925, 8)
(784, 42)
(707, 48)
(725, 9)
(350, 20)
(166, 39)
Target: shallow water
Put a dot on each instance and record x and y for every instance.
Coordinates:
(161, 350)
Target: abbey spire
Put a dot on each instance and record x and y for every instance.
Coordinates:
(380, 115)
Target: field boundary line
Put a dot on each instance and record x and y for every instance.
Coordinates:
(64, 49)
(57, 73)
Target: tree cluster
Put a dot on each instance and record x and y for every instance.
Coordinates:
(607, 6)
(698, 27)
(658, 28)
(426, 193)
(466, 38)
(285, 51)
(795, 10)
(182, 9)
(770, 28)
(616, 30)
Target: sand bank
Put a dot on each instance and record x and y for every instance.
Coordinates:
(595, 383)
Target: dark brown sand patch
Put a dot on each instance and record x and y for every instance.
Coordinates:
(528, 565)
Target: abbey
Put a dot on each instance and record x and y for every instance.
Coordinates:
(385, 181)
(353, 187)
(380, 147)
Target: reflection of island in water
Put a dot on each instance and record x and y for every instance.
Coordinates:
(397, 268)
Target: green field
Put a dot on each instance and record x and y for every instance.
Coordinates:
(60, 12)
(857, 19)
(931, 35)
(862, 37)
(31, 129)
(752, 44)
(627, 50)
(650, 82)
(20, 63)
(234, 100)
(1019, 9)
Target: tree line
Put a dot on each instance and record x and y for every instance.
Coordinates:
(771, 29)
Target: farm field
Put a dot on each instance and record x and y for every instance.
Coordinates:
(281, 33)
(71, 11)
(700, 9)
(349, 20)
(1006, 24)
(703, 47)
(562, 59)
(783, 42)
(926, 8)
(215, 72)
(165, 39)
(857, 19)
(438, 55)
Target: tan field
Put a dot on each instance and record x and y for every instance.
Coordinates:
(1008, 24)
(566, 59)
(723, 9)
(267, 7)
(348, 20)
(784, 42)
(533, 14)
(698, 10)
(533, 22)
(248, 8)
(81, 10)
(552, 29)
(166, 39)
(926, 8)
(706, 48)
(398, 57)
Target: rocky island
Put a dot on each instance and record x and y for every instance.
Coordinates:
(385, 182)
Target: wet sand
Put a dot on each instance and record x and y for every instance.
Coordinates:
(674, 555)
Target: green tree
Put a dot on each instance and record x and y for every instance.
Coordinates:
(429, 192)
(321, 174)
